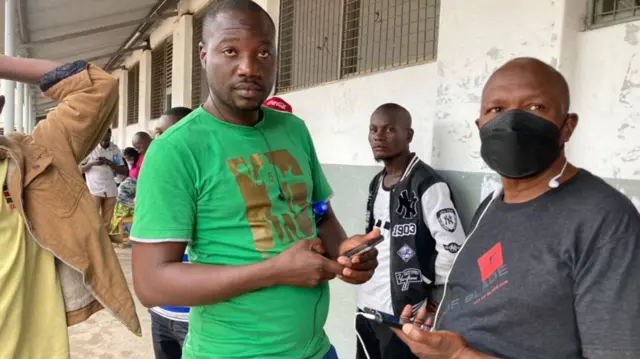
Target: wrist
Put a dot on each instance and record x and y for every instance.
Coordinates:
(273, 273)
(331, 247)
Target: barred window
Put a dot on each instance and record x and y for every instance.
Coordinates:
(324, 41)
(199, 87)
(133, 87)
(610, 12)
(161, 77)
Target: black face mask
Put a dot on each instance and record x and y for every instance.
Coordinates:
(518, 144)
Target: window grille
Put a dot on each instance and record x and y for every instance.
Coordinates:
(133, 87)
(609, 12)
(161, 77)
(309, 43)
(381, 35)
(323, 41)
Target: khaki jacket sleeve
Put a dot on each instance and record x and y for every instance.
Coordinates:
(88, 106)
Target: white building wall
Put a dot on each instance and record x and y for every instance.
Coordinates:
(606, 94)
(337, 114)
(601, 65)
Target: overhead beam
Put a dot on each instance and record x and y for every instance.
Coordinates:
(100, 29)
(121, 52)
(160, 6)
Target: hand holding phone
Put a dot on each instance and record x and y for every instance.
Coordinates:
(384, 318)
(302, 265)
(359, 257)
(364, 247)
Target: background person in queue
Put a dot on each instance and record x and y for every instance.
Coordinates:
(234, 182)
(170, 118)
(412, 206)
(100, 168)
(141, 142)
(552, 266)
(169, 324)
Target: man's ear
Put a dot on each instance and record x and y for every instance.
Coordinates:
(569, 127)
(203, 54)
(410, 135)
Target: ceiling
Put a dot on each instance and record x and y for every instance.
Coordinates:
(93, 30)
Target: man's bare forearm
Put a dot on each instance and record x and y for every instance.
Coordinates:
(25, 70)
(331, 233)
(184, 284)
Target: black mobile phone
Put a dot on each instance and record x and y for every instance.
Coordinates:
(383, 318)
(361, 248)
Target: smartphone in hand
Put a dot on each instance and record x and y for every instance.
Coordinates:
(383, 318)
(364, 247)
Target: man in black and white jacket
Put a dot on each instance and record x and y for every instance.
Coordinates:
(413, 207)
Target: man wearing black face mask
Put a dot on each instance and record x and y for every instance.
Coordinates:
(551, 268)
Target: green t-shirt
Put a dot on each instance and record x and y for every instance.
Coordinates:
(219, 186)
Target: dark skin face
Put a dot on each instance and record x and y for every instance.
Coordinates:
(106, 140)
(389, 135)
(129, 159)
(239, 57)
(164, 123)
(140, 144)
(530, 87)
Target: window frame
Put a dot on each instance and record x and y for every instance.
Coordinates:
(592, 25)
(347, 68)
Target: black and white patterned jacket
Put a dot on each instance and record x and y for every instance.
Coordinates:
(425, 232)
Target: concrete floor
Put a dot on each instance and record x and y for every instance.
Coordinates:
(103, 337)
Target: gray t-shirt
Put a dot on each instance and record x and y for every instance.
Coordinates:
(556, 277)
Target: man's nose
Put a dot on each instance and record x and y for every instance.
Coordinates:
(248, 67)
(378, 136)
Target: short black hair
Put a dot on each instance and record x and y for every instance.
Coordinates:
(179, 111)
(393, 108)
(142, 135)
(224, 5)
(131, 152)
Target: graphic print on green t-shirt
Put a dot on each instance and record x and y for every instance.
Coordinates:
(240, 195)
(252, 179)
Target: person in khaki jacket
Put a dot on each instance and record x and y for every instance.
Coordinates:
(55, 257)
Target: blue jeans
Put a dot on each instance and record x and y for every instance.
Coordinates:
(168, 336)
(332, 354)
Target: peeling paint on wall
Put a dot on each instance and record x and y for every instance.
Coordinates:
(631, 81)
(631, 34)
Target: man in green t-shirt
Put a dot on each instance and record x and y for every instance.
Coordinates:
(234, 182)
